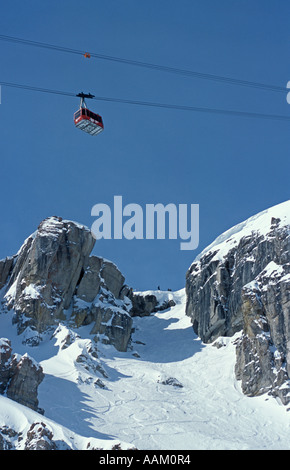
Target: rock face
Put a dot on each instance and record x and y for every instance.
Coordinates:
(263, 351)
(54, 277)
(99, 272)
(99, 300)
(54, 280)
(26, 375)
(39, 437)
(20, 376)
(7, 435)
(145, 304)
(5, 359)
(6, 266)
(242, 283)
(47, 271)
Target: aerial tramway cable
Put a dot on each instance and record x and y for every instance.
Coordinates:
(158, 67)
(153, 104)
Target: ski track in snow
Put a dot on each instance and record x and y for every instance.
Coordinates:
(209, 411)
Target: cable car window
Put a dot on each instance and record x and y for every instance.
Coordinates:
(96, 117)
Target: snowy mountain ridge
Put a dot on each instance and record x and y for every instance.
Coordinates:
(242, 283)
(166, 386)
(259, 223)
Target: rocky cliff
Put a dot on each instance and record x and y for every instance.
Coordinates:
(53, 278)
(242, 283)
(54, 285)
(20, 376)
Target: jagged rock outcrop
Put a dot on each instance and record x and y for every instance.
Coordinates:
(20, 376)
(5, 359)
(46, 272)
(40, 437)
(100, 300)
(145, 304)
(53, 278)
(242, 283)
(7, 436)
(263, 351)
(26, 375)
(99, 273)
(111, 321)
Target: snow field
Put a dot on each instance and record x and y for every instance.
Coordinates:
(124, 397)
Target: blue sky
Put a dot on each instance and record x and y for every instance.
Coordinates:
(233, 167)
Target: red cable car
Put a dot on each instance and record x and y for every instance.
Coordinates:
(86, 120)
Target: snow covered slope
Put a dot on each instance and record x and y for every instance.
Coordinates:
(168, 391)
(259, 223)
